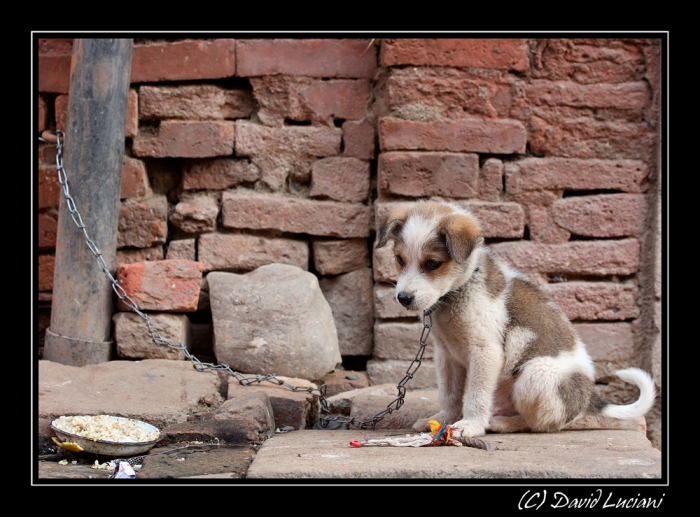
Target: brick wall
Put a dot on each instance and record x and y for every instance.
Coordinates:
(239, 153)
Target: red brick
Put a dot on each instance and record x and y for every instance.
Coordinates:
(217, 173)
(183, 60)
(328, 218)
(194, 102)
(624, 96)
(588, 61)
(253, 139)
(394, 340)
(506, 54)
(49, 187)
(359, 139)
(186, 139)
(341, 179)
(131, 256)
(48, 227)
(604, 215)
(491, 180)
(581, 138)
(595, 300)
(144, 223)
(466, 135)
(419, 174)
(163, 285)
(345, 58)
(240, 252)
(533, 174)
(45, 272)
(182, 249)
(384, 263)
(324, 101)
(60, 109)
(599, 258)
(54, 72)
(610, 345)
(340, 256)
(134, 178)
(41, 115)
(195, 214)
(446, 93)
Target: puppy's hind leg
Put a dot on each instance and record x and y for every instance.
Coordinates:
(508, 424)
(451, 377)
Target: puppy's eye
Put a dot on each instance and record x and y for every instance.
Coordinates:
(399, 260)
(432, 265)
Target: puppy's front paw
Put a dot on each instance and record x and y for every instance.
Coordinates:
(467, 429)
(423, 426)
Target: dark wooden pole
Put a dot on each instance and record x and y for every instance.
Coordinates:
(81, 311)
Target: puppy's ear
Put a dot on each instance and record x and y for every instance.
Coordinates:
(391, 224)
(462, 235)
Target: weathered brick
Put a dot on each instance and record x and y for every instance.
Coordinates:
(610, 345)
(340, 381)
(240, 252)
(622, 96)
(350, 298)
(604, 215)
(586, 61)
(590, 138)
(41, 115)
(183, 60)
(163, 285)
(491, 180)
(506, 54)
(143, 223)
(134, 179)
(359, 139)
(386, 305)
(420, 174)
(217, 173)
(196, 214)
(195, 102)
(400, 341)
(132, 115)
(181, 249)
(340, 256)
(446, 93)
(393, 371)
(349, 58)
(45, 272)
(328, 218)
(131, 256)
(54, 72)
(475, 135)
(575, 174)
(48, 227)
(599, 258)
(253, 139)
(324, 101)
(341, 179)
(186, 139)
(384, 263)
(595, 300)
(49, 188)
(133, 340)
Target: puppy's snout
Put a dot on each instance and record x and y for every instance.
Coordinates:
(405, 299)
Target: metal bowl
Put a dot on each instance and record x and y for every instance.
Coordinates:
(106, 447)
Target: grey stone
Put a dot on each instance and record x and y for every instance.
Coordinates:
(273, 320)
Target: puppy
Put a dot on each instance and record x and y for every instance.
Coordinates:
(506, 356)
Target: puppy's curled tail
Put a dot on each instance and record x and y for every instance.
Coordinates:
(647, 394)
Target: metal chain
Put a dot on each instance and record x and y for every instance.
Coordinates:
(325, 421)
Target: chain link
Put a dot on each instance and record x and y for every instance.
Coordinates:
(325, 419)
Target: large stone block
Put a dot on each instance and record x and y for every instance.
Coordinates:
(134, 341)
(273, 320)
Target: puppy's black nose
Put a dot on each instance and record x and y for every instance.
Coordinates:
(405, 299)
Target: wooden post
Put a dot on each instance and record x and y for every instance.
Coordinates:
(81, 311)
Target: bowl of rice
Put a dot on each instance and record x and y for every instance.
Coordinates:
(106, 434)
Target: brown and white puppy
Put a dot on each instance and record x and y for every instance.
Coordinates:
(506, 356)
